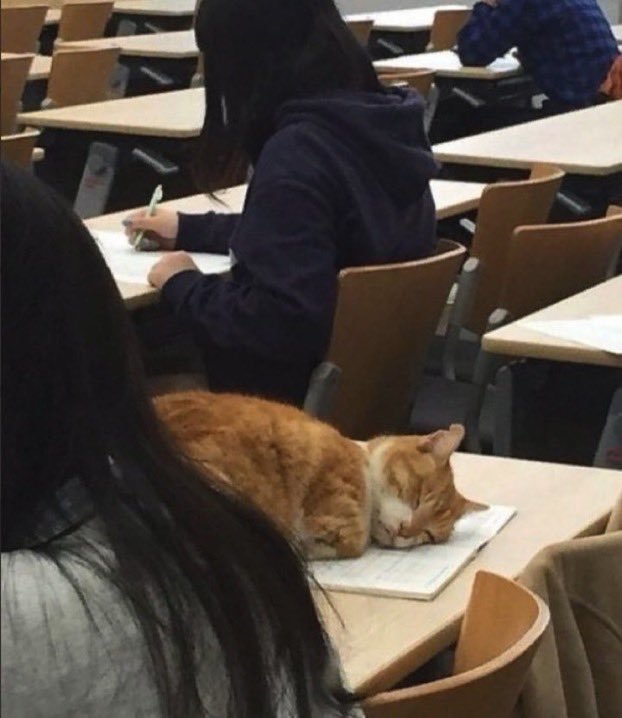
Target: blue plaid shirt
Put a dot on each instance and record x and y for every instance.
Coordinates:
(566, 45)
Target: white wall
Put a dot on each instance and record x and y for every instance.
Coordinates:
(612, 8)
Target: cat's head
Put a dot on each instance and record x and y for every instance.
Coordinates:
(415, 500)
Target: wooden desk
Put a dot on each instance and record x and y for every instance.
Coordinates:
(162, 45)
(384, 639)
(163, 8)
(585, 142)
(450, 198)
(177, 114)
(40, 68)
(408, 20)
(516, 340)
(52, 16)
(447, 64)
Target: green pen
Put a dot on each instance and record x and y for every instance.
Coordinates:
(137, 241)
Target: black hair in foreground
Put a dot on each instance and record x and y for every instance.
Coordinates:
(73, 398)
(257, 55)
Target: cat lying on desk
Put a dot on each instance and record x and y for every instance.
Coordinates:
(331, 494)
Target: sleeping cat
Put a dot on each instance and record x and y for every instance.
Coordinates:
(330, 494)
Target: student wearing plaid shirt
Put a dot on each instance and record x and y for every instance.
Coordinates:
(566, 45)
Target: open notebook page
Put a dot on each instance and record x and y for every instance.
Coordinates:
(130, 265)
(419, 572)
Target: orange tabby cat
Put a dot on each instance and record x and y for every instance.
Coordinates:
(331, 494)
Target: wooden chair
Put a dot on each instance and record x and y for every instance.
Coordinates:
(361, 29)
(20, 28)
(548, 263)
(14, 72)
(80, 76)
(445, 28)
(83, 20)
(420, 80)
(500, 632)
(19, 148)
(503, 207)
(385, 318)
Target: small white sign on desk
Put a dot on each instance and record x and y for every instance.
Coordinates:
(420, 572)
(602, 331)
(130, 265)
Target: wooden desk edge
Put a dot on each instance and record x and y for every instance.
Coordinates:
(466, 206)
(490, 161)
(534, 349)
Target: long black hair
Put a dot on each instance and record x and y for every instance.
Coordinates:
(257, 55)
(74, 404)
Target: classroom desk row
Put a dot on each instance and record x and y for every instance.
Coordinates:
(583, 142)
(146, 8)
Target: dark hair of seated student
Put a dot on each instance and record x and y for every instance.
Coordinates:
(341, 171)
(131, 584)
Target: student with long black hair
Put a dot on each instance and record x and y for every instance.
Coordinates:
(341, 170)
(131, 586)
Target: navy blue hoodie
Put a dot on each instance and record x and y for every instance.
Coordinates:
(343, 181)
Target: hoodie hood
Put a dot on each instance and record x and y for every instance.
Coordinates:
(383, 130)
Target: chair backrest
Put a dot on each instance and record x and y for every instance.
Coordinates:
(445, 28)
(548, 263)
(80, 76)
(361, 29)
(500, 632)
(420, 80)
(385, 318)
(83, 20)
(503, 207)
(13, 72)
(20, 27)
(19, 148)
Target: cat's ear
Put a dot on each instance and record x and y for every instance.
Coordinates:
(466, 506)
(442, 444)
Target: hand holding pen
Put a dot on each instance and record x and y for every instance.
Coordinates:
(155, 225)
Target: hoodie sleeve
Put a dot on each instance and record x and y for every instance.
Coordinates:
(280, 302)
(491, 31)
(208, 232)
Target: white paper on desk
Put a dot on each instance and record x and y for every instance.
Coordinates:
(602, 331)
(420, 572)
(129, 265)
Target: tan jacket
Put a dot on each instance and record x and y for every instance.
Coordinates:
(577, 671)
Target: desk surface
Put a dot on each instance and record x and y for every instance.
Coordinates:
(408, 20)
(52, 16)
(586, 142)
(516, 340)
(447, 64)
(165, 45)
(383, 639)
(617, 32)
(40, 68)
(168, 8)
(450, 198)
(177, 114)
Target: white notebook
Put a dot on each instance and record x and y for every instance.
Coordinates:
(130, 265)
(421, 572)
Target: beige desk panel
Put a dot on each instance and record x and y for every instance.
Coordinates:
(52, 17)
(450, 198)
(516, 340)
(447, 64)
(384, 638)
(40, 68)
(170, 8)
(408, 20)
(165, 45)
(587, 142)
(176, 114)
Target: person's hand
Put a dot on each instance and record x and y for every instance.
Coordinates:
(168, 266)
(161, 227)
